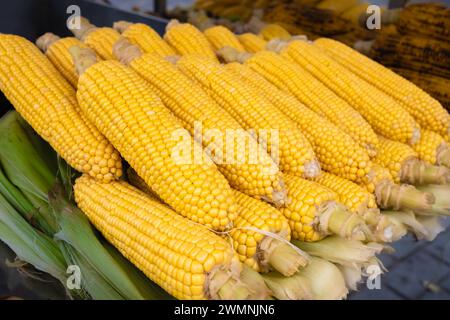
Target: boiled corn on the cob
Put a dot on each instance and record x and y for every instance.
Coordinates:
(427, 111)
(209, 124)
(220, 36)
(101, 40)
(252, 43)
(381, 111)
(314, 213)
(345, 158)
(432, 148)
(48, 103)
(405, 166)
(187, 39)
(145, 37)
(124, 107)
(184, 258)
(285, 141)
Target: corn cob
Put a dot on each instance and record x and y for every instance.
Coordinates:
(145, 37)
(101, 40)
(251, 42)
(426, 110)
(57, 51)
(381, 111)
(48, 103)
(430, 20)
(355, 13)
(219, 37)
(290, 77)
(404, 165)
(274, 31)
(411, 52)
(293, 151)
(346, 158)
(123, 106)
(314, 213)
(259, 251)
(196, 265)
(432, 148)
(186, 39)
(204, 119)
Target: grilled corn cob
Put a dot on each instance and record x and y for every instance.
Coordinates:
(123, 106)
(145, 37)
(290, 77)
(219, 37)
(48, 103)
(432, 148)
(404, 165)
(427, 111)
(251, 42)
(209, 124)
(381, 111)
(258, 233)
(345, 158)
(101, 40)
(257, 250)
(285, 142)
(186, 39)
(314, 213)
(57, 51)
(184, 258)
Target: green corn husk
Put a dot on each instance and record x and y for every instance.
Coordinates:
(442, 202)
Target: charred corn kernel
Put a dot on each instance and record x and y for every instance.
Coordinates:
(314, 213)
(288, 76)
(404, 165)
(285, 142)
(187, 39)
(336, 151)
(125, 108)
(220, 36)
(101, 40)
(210, 124)
(251, 42)
(57, 51)
(274, 31)
(381, 111)
(427, 111)
(145, 37)
(432, 148)
(48, 103)
(355, 197)
(256, 214)
(182, 257)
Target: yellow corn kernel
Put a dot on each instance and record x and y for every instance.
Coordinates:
(274, 31)
(145, 37)
(127, 111)
(337, 152)
(284, 140)
(187, 39)
(381, 111)
(432, 148)
(200, 114)
(48, 103)
(427, 111)
(251, 42)
(220, 36)
(183, 257)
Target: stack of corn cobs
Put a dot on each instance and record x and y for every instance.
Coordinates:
(254, 169)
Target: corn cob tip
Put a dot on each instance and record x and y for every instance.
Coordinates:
(83, 58)
(125, 51)
(121, 26)
(172, 23)
(224, 283)
(414, 172)
(83, 28)
(230, 54)
(312, 169)
(173, 59)
(276, 45)
(46, 40)
(416, 134)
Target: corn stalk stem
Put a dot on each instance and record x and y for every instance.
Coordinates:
(398, 197)
(417, 172)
